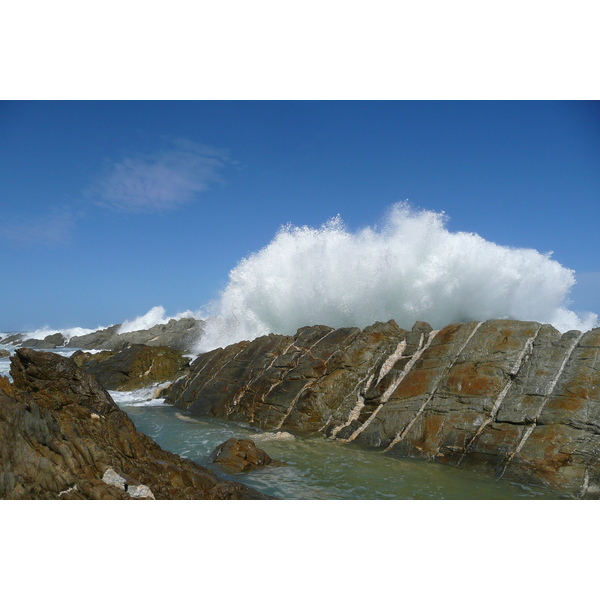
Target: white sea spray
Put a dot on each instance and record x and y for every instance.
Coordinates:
(140, 397)
(155, 316)
(412, 268)
(42, 332)
(271, 436)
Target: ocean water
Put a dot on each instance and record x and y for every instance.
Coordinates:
(314, 468)
(5, 362)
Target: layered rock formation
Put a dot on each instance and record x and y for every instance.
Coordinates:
(515, 399)
(63, 437)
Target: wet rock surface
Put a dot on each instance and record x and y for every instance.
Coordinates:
(515, 399)
(63, 437)
(240, 455)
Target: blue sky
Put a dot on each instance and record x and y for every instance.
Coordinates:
(110, 208)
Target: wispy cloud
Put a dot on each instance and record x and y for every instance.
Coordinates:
(160, 182)
(52, 230)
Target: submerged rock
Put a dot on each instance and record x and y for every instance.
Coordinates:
(240, 455)
(515, 399)
(63, 436)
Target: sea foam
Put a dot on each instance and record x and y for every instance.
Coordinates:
(40, 334)
(411, 268)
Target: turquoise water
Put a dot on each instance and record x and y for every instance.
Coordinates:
(317, 468)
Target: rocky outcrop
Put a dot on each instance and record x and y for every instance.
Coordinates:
(63, 437)
(240, 455)
(515, 399)
(134, 367)
(81, 358)
(13, 339)
(37, 344)
(48, 343)
(179, 334)
(58, 339)
(100, 339)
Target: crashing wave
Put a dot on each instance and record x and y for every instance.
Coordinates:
(412, 268)
(155, 316)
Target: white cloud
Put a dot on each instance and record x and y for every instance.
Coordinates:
(52, 230)
(160, 182)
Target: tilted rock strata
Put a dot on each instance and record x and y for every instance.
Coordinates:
(515, 399)
(63, 437)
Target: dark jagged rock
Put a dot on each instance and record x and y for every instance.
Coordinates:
(58, 339)
(63, 437)
(134, 367)
(4, 353)
(515, 399)
(240, 455)
(82, 358)
(101, 339)
(14, 339)
(48, 343)
(179, 334)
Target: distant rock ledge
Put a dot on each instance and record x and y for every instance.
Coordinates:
(513, 399)
(179, 334)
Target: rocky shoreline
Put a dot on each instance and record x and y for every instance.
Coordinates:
(179, 334)
(63, 437)
(516, 400)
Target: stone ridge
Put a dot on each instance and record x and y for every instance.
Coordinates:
(515, 399)
(63, 437)
(179, 334)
